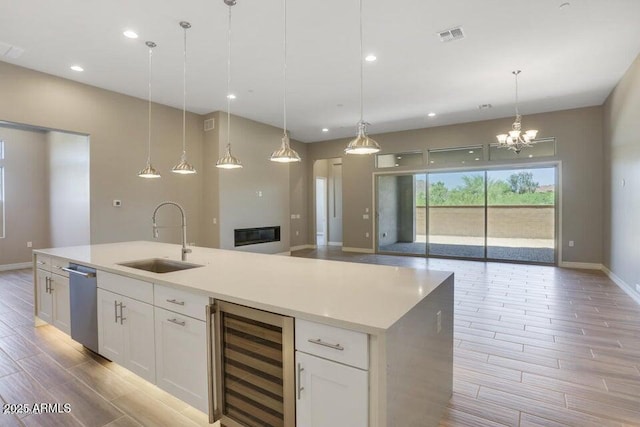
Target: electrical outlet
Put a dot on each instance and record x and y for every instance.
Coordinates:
(366, 210)
(365, 216)
(297, 233)
(439, 321)
(215, 221)
(366, 234)
(259, 193)
(293, 216)
(571, 243)
(30, 245)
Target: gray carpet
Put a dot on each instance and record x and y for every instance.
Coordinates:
(544, 255)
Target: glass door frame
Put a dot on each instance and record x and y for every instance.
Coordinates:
(557, 164)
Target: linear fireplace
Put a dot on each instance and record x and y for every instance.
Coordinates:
(253, 236)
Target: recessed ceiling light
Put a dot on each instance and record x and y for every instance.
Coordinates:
(370, 58)
(231, 96)
(431, 114)
(470, 151)
(130, 34)
(399, 157)
(477, 158)
(484, 106)
(325, 129)
(432, 161)
(397, 165)
(530, 155)
(77, 68)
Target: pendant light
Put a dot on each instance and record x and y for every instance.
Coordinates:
(285, 154)
(183, 167)
(515, 140)
(228, 161)
(362, 144)
(149, 171)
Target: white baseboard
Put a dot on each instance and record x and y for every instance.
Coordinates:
(359, 250)
(627, 288)
(301, 247)
(18, 266)
(287, 253)
(334, 244)
(581, 265)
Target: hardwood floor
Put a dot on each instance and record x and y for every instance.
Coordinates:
(43, 365)
(534, 346)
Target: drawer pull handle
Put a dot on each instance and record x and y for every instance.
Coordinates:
(326, 344)
(175, 301)
(177, 322)
(300, 388)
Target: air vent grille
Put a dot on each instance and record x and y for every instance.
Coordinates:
(209, 124)
(451, 34)
(9, 51)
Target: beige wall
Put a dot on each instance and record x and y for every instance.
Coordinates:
(117, 126)
(579, 139)
(622, 178)
(68, 181)
(26, 194)
(299, 184)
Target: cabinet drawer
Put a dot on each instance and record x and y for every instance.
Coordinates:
(133, 288)
(57, 264)
(180, 301)
(43, 262)
(329, 342)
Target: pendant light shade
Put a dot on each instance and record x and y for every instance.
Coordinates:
(285, 154)
(228, 161)
(183, 167)
(149, 171)
(362, 144)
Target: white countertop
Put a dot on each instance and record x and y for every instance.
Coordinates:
(364, 297)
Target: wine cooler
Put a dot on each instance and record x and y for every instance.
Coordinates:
(254, 367)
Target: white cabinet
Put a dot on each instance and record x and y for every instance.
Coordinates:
(181, 357)
(53, 304)
(126, 334)
(332, 381)
(330, 394)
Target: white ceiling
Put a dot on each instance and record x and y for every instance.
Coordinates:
(570, 57)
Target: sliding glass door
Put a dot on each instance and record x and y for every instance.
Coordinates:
(521, 214)
(457, 214)
(507, 214)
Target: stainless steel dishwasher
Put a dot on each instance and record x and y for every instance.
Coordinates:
(84, 305)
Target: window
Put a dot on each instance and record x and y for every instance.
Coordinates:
(456, 156)
(1, 189)
(396, 160)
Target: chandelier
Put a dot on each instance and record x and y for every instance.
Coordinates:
(516, 140)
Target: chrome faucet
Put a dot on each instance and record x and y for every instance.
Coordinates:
(185, 250)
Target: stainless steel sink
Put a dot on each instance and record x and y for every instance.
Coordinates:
(159, 265)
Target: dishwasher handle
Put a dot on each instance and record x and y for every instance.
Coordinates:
(80, 273)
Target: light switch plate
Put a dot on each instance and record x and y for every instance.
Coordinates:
(117, 203)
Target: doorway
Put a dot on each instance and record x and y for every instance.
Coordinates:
(321, 211)
(505, 214)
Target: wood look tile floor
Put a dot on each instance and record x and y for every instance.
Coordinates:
(534, 345)
(43, 365)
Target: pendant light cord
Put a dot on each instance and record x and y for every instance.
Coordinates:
(149, 142)
(284, 89)
(361, 70)
(517, 109)
(229, 83)
(184, 99)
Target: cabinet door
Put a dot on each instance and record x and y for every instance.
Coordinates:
(139, 348)
(110, 336)
(61, 303)
(330, 394)
(45, 300)
(181, 357)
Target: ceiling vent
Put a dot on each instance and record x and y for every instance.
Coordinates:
(209, 124)
(452, 34)
(9, 51)
(484, 106)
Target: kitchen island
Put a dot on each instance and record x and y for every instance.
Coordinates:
(405, 315)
